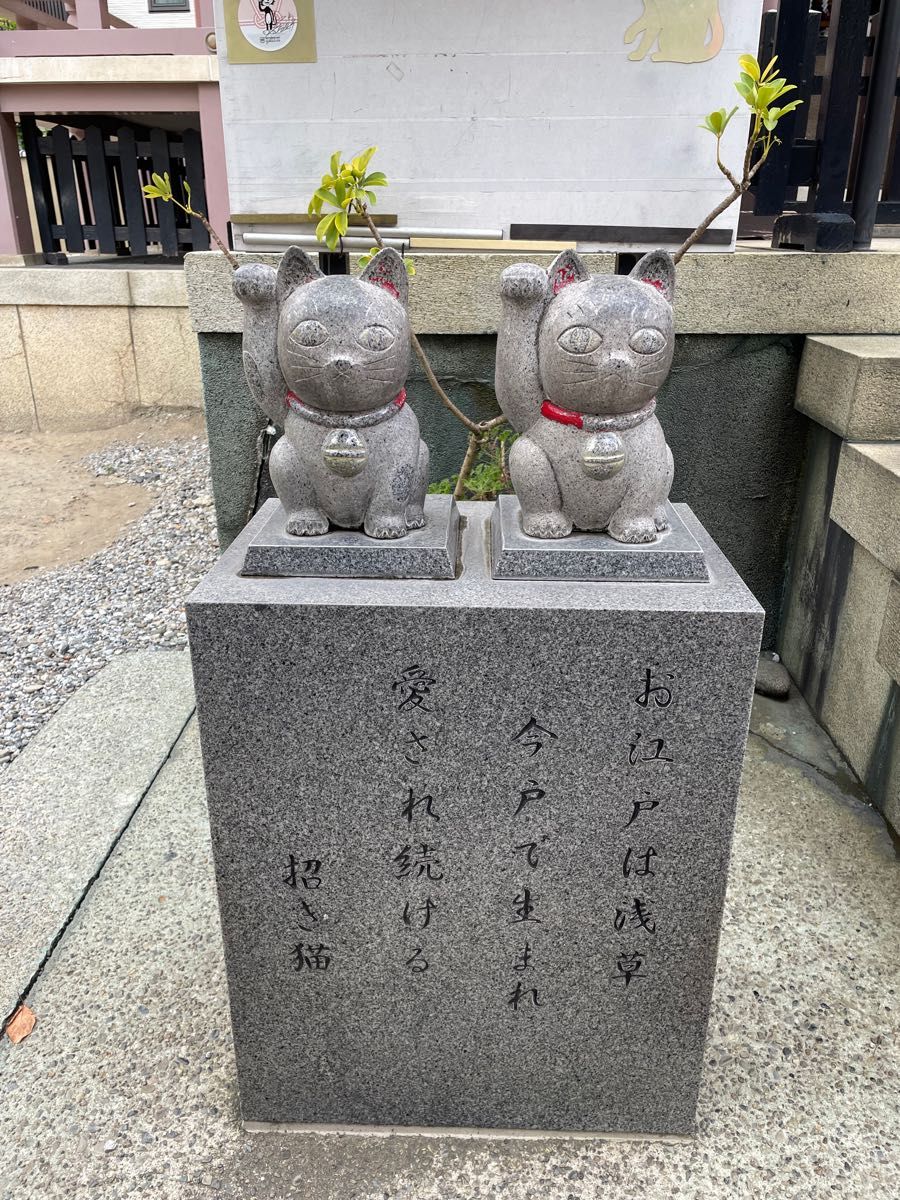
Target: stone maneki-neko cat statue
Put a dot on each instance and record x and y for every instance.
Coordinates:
(326, 357)
(580, 359)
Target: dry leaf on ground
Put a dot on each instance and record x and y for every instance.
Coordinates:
(21, 1024)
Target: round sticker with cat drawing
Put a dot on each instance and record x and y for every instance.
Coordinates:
(268, 24)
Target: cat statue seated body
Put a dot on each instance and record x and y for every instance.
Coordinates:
(580, 359)
(326, 357)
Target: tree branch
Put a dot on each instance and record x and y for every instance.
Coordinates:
(471, 451)
(472, 426)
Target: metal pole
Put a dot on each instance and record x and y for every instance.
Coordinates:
(879, 121)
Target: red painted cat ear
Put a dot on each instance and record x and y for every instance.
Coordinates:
(658, 269)
(566, 268)
(388, 270)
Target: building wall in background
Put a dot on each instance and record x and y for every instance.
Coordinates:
(483, 114)
(137, 12)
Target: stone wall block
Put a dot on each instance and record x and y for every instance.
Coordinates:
(82, 365)
(851, 385)
(166, 358)
(866, 500)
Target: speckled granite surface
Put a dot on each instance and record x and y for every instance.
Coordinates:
(428, 553)
(512, 947)
(126, 1087)
(675, 555)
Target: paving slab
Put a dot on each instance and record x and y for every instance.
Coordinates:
(67, 797)
(126, 1087)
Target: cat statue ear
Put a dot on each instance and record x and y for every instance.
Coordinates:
(658, 269)
(295, 269)
(566, 268)
(388, 270)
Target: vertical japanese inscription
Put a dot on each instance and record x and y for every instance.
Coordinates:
(650, 755)
(528, 814)
(303, 875)
(417, 860)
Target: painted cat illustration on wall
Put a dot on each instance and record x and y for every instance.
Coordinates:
(680, 28)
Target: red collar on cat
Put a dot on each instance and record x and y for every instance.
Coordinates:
(594, 424)
(347, 420)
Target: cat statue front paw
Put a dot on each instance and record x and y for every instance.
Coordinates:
(386, 527)
(546, 525)
(633, 530)
(308, 522)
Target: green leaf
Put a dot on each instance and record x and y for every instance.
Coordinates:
(151, 191)
(325, 225)
(376, 179)
(748, 93)
(335, 164)
(341, 222)
(770, 70)
(372, 198)
(410, 267)
(328, 197)
(748, 64)
(364, 159)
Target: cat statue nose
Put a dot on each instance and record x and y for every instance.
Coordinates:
(618, 361)
(342, 365)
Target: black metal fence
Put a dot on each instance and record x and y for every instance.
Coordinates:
(87, 189)
(837, 170)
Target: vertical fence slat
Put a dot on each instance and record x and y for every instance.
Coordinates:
(790, 46)
(892, 174)
(131, 191)
(40, 181)
(168, 232)
(64, 165)
(840, 100)
(193, 170)
(99, 181)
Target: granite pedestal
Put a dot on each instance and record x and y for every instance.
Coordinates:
(427, 553)
(472, 837)
(676, 554)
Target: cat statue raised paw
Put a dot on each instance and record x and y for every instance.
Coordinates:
(326, 357)
(580, 359)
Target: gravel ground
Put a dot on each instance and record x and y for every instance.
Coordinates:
(60, 628)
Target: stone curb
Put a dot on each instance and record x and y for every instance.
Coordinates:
(65, 801)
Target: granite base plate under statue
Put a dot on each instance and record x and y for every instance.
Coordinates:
(427, 553)
(676, 554)
(471, 837)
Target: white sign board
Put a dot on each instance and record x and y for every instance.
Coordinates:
(488, 113)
